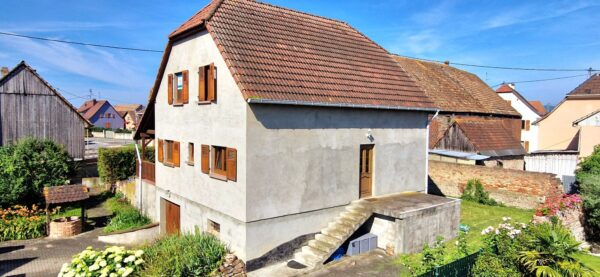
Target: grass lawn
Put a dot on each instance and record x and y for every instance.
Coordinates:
(68, 211)
(479, 217)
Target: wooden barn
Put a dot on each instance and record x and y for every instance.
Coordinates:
(30, 107)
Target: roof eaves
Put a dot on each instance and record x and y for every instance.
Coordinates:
(339, 105)
(585, 117)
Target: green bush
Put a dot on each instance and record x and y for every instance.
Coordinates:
(116, 164)
(20, 222)
(113, 261)
(184, 255)
(588, 177)
(30, 165)
(125, 216)
(490, 265)
(475, 192)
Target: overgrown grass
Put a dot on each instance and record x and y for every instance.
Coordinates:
(67, 212)
(125, 216)
(194, 254)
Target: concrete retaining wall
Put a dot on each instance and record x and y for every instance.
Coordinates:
(137, 236)
(515, 188)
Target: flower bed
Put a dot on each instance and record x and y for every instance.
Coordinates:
(20, 222)
(113, 261)
(560, 203)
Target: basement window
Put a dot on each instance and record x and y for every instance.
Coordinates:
(213, 228)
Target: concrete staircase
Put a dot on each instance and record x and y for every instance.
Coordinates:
(334, 235)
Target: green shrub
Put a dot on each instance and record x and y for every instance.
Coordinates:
(475, 192)
(116, 164)
(30, 165)
(125, 216)
(184, 255)
(122, 131)
(490, 265)
(588, 177)
(20, 222)
(113, 261)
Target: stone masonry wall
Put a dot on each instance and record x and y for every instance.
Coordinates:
(515, 188)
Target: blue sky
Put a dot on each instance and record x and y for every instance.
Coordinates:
(540, 34)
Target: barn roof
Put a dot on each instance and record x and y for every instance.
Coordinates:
(65, 194)
(24, 65)
(490, 137)
(278, 55)
(454, 90)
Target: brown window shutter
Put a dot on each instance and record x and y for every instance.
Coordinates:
(527, 125)
(170, 89)
(231, 164)
(205, 158)
(212, 90)
(527, 146)
(160, 150)
(186, 94)
(202, 83)
(176, 153)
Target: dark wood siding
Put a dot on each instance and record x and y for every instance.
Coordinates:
(455, 139)
(29, 108)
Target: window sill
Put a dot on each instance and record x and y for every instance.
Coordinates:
(218, 176)
(177, 104)
(190, 163)
(203, 102)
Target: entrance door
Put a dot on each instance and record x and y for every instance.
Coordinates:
(172, 217)
(366, 170)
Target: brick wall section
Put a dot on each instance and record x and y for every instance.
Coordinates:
(515, 188)
(65, 229)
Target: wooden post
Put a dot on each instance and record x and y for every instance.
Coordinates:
(82, 215)
(47, 219)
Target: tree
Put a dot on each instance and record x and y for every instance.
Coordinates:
(29, 166)
(588, 178)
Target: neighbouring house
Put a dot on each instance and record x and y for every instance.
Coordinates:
(474, 124)
(101, 114)
(131, 113)
(31, 107)
(530, 112)
(572, 124)
(272, 125)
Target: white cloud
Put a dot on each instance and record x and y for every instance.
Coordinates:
(60, 26)
(532, 13)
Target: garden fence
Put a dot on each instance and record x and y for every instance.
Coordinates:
(458, 268)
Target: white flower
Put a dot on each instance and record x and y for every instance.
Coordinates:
(118, 265)
(128, 271)
(129, 259)
(113, 275)
(139, 262)
(139, 253)
(94, 267)
(102, 263)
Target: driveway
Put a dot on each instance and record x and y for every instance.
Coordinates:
(45, 256)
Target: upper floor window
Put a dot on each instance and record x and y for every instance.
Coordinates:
(207, 83)
(178, 87)
(525, 125)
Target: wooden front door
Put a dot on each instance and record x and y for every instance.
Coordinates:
(366, 170)
(172, 217)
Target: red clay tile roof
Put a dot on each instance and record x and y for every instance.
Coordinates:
(65, 194)
(128, 107)
(277, 54)
(589, 87)
(455, 90)
(488, 134)
(90, 108)
(504, 89)
(539, 107)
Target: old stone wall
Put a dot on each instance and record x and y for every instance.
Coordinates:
(515, 188)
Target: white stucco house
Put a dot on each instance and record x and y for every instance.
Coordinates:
(270, 122)
(530, 111)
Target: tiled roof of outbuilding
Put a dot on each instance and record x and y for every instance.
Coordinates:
(277, 54)
(455, 90)
(488, 135)
(65, 194)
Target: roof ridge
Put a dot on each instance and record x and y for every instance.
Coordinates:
(297, 11)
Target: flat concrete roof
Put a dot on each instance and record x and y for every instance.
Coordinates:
(408, 204)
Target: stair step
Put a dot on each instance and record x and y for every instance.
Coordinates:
(353, 215)
(358, 209)
(328, 239)
(341, 224)
(336, 233)
(314, 251)
(322, 245)
(307, 259)
(347, 221)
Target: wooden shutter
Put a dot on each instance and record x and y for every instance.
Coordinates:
(160, 150)
(186, 94)
(231, 164)
(526, 146)
(211, 82)
(176, 153)
(527, 125)
(205, 158)
(202, 83)
(170, 89)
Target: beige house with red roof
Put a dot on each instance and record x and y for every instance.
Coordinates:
(530, 112)
(571, 125)
(271, 123)
(474, 125)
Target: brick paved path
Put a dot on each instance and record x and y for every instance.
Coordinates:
(45, 256)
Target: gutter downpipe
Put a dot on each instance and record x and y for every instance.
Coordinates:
(427, 152)
(139, 158)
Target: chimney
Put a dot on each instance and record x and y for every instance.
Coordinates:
(4, 71)
(94, 101)
(511, 85)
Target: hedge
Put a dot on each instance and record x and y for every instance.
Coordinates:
(116, 164)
